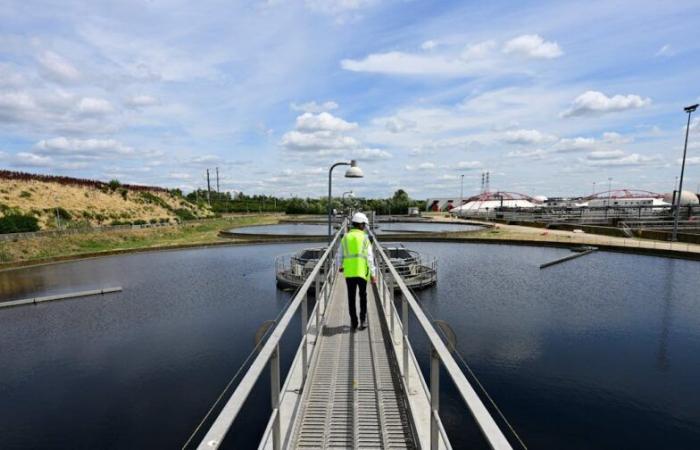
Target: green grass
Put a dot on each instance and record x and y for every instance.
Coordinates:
(192, 233)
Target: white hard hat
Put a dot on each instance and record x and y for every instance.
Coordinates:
(360, 218)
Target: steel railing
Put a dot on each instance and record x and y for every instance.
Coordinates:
(270, 354)
(439, 355)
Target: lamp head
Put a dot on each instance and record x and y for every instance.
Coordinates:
(690, 108)
(354, 171)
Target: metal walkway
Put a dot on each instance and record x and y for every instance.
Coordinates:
(352, 397)
(362, 389)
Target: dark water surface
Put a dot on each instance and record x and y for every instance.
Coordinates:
(316, 229)
(600, 352)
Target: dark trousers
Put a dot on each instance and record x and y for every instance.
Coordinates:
(353, 284)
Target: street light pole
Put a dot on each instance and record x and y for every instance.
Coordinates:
(677, 209)
(352, 172)
(461, 194)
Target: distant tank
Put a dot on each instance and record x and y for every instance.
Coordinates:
(687, 198)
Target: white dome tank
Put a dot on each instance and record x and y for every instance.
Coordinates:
(687, 198)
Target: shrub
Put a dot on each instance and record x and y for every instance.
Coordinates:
(18, 223)
(124, 193)
(184, 214)
(139, 222)
(164, 220)
(63, 214)
(25, 194)
(114, 184)
(153, 221)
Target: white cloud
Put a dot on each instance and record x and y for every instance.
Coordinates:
(140, 101)
(692, 161)
(32, 160)
(322, 122)
(533, 46)
(57, 67)
(204, 160)
(631, 160)
(531, 154)
(595, 103)
(467, 165)
(528, 137)
(313, 107)
(428, 45)
(478, 51)
(398, 125)
(334, 7)
(318, 140)
(616, 138)
(421, 166)
(181, 176)
(605, 154)
(694, 124)
(576, 144)
(665, 50)
(370, 154)
(86, 148)
(94, 106)
(400, 63)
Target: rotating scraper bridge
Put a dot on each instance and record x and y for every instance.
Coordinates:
(347, 389)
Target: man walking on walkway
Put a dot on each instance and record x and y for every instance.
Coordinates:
(358, 267)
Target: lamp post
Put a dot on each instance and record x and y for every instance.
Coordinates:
(609, 197)
(352, 172)
(677, 208)
(461, 194)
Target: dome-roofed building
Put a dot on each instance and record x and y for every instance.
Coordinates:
(624, 197)
(487, 202)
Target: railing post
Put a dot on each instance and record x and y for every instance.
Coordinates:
(317, 293)
(275, 396)
(391, 306)
(434, 398)
(304, 341)
(404, 326)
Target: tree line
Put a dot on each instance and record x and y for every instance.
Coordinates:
(225, 202)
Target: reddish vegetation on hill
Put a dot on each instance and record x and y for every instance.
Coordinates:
(23, 176)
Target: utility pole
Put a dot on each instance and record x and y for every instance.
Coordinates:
(208, 189)
(677, 209)
(217, 182)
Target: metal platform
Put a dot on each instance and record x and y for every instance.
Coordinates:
(352, 396)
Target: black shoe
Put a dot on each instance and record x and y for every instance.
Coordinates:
(353, 326)
(363, 324)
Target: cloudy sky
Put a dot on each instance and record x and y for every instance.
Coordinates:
(549, 97)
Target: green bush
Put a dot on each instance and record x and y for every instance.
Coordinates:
(139, 222)
(153, 221)
(63, 214)
(114, 184)
(25, 194)
(124, 193)
(18, 223)
(184, 214)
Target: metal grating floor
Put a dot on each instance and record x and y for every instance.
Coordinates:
(352, 397)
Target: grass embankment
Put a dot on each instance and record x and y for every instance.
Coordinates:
(75, 245)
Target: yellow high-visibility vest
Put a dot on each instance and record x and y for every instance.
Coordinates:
(355, 253)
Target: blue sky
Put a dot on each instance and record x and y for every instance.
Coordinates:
(549, 97)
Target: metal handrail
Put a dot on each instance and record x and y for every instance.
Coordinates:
(269, 354)
(439, 354)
